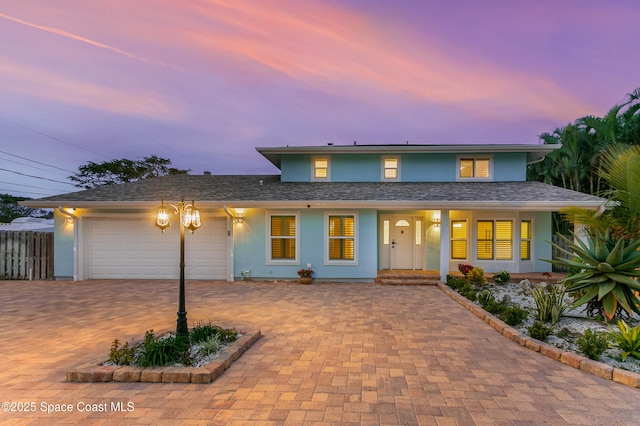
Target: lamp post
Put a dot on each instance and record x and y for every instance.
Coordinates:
(189, 219)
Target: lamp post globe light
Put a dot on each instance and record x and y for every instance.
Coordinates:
(190, 219)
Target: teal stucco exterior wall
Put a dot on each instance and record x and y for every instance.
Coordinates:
(250, 243)
(436, 167)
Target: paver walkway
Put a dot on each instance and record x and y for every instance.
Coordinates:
(330, 353)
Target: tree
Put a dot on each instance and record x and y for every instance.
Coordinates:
(92, 175)
(9, 209)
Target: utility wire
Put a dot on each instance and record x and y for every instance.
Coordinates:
(38, 162)
(36, 177)
(29, 165)
(52, 137)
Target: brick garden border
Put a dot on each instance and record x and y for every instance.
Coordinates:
(94, 372)
(618, 375)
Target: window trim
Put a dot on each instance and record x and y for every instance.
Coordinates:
(270, 259)
(383, 168)
(465, 239)
(529, 240)
(494, 240)
(327, 238)
(474, 157)
(313, 168)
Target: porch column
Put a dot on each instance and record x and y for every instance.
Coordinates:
(445, 244)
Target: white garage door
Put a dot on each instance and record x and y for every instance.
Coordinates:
(135, 248)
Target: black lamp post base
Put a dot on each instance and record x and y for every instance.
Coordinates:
(182, 330)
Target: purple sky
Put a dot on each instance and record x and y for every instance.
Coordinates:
(205, 82)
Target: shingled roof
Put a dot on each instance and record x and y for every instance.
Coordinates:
(269, 190)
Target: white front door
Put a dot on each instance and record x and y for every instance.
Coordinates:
(401, 242)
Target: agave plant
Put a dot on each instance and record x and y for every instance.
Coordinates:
(607, 272)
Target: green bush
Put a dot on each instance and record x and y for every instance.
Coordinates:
(539, 331)
(490, 304)
(627, 340)
(593, 344)
(514, 315)
(549, 301)
(121, 355)
(455, 283)
(160, 352)
(501, 277)
(476, 277)
(469, 292)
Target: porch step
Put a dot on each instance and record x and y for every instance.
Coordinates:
(407, 278)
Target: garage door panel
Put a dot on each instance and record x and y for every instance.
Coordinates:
(130, 248)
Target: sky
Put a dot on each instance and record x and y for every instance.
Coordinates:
(205, 82)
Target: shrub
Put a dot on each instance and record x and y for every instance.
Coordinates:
(514, 315)
(501, 277)
(464, 268)
(539, 331)
(593, 344)
(202, 331)
(627, 340)
(211, 345)
(164, 351)
(121, 355)
(476, 277)
(549, 301)
(490, 304)
(468, 291)
(456, 283)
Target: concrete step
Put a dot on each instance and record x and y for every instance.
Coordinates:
(408, 281)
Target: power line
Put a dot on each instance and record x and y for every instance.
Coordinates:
(7, 191)
(36, 177)
(38, 162)
(28, 165)
(52, 137)
(21, 184)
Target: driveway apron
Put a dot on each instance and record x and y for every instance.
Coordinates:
(331, 353)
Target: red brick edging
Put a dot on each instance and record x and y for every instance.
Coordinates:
(92, 372)
(618, 375)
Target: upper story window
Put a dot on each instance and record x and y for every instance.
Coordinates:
(321, 169)
(390, 168)
(475, 167)
(283, 238)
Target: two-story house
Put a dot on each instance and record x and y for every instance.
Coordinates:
(347, 211)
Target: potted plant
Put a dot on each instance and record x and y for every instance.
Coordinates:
(306, 275)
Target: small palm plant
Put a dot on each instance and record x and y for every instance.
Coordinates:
(607, 271)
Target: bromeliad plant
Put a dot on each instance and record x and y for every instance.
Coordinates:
(607, 271)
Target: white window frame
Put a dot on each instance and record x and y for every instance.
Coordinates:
(270, 260)
(383, 168)
(356, 237)
(529, 240)
(313, 168)
(494, 240)
(465, 239)
(474, 157)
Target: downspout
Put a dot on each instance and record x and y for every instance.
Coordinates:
(231, 246)
(75, 240)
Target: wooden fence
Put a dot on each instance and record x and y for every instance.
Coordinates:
(26, 255)
(557, 254)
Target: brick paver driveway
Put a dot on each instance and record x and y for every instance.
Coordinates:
(331, 353)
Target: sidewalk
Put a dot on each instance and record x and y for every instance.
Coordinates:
(356, 353)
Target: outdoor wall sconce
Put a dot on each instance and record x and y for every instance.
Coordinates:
(436, 222)
(239, 217)
(189, 219)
